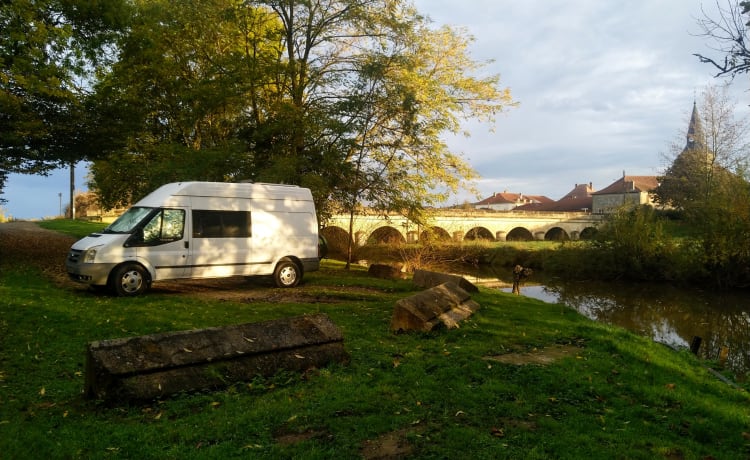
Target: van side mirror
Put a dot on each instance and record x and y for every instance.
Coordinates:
(136, 238)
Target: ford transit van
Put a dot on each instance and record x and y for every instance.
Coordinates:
(203, 230)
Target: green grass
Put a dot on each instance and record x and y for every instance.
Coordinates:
(75, 228)
(616, 396)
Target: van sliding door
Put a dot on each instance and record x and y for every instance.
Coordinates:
(221, 243)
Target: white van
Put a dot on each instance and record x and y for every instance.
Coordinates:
(203, 230)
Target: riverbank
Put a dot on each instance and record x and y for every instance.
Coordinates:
(519, 379)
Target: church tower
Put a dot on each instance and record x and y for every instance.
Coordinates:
(695, 134)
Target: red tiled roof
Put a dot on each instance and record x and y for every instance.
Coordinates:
(512, 198)
(577, 199)
(630, 184)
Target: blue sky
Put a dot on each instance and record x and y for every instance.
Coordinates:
(603, 88)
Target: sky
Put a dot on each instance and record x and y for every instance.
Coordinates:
(603, 88)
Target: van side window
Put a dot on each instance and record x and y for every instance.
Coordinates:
(221, 224)
(166, 226)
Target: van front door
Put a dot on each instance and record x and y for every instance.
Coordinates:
(164, 244)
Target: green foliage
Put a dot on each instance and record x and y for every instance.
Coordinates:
(724, 235)
(632, 244)
(634, 241)
(707, 183)
(189, 64)
(349, 100)
(47, 50)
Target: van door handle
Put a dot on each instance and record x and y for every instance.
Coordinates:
(187, 244)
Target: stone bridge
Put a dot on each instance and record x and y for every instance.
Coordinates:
(455, 225)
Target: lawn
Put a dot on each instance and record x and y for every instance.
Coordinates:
(519, 379)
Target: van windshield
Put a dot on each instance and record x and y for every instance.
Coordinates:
(127, 222)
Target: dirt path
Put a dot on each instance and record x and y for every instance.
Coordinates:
(27, 243)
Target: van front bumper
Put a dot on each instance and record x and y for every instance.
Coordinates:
(95, 274)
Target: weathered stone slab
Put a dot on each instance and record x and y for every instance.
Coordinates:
(385, 271)
(152, 366)
(428, 279)
(443, 305)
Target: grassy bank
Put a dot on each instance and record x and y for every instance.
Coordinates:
(520, 379)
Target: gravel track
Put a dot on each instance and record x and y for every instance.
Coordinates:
(26, 243)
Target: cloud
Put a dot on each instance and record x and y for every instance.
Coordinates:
(602, 87)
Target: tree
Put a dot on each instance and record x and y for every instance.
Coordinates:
(382, 87)
(48, 49)
(189, 65)
(715, 153)
(346, 97)
(729, 31)
(724, 226)
(708, 181)
(407, 94)
(632, 243)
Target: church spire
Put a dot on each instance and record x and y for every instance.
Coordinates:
(695, 130)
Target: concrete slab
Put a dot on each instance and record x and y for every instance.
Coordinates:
(153, 366)
(443, 305)
(427, 279)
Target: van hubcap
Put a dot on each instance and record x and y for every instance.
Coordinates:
(131, 281)
(288, 275)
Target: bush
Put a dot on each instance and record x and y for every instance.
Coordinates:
(631, 245)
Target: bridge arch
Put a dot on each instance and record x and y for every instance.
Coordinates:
(479, 233)
(588, 233)
(556, 234)
(387, 235)
(435, 233)
(337, 238)
(519, 234)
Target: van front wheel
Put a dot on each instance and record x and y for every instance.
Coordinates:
(129, 280)
(287, 274)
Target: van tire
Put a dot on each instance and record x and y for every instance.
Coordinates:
(129, 280)
(287, 274)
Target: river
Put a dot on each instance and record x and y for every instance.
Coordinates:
(667, 314)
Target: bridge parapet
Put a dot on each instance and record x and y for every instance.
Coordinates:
(459, 225)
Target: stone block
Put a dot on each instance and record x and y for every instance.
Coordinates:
(428, 279)
(385, 271)
(153, 366)
(444, 305)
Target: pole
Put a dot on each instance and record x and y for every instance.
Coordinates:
(72, 190)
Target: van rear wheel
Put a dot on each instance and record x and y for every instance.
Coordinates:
(287, 274)
(129, 280)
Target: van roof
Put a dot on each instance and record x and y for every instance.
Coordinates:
(225, 190)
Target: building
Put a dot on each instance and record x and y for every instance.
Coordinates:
(508, 201)
(577, 200)
(628, 190)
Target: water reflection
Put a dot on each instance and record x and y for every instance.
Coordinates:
(664, 313)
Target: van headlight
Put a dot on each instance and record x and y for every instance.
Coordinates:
(90, 255)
